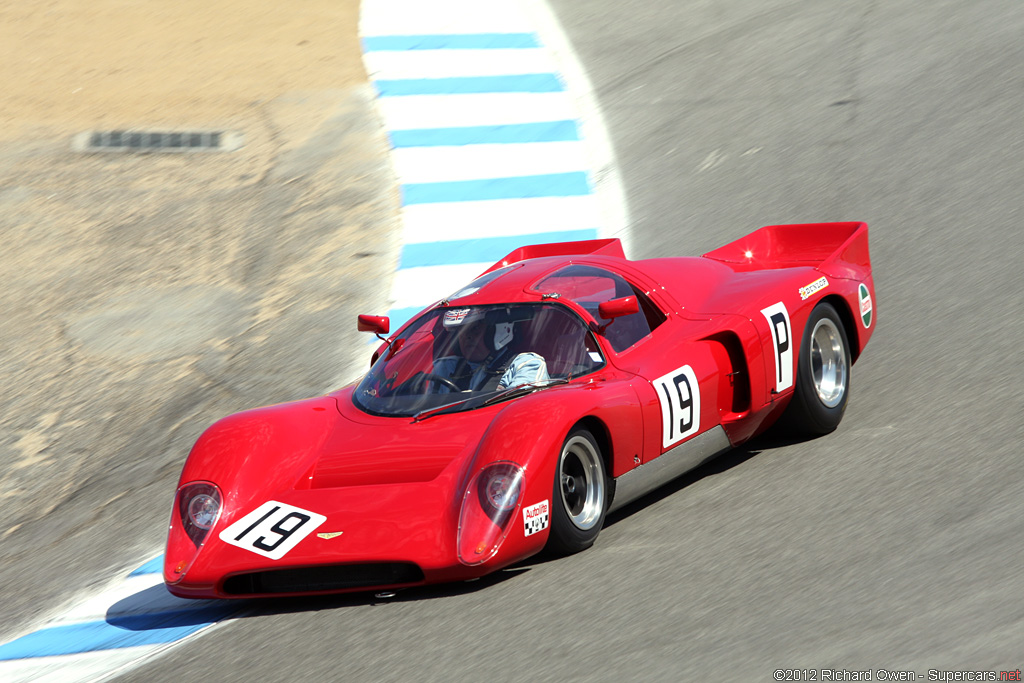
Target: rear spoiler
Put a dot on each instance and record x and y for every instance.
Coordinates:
(605, 247)
(836, 249)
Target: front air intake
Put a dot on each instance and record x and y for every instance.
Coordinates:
(323, 578)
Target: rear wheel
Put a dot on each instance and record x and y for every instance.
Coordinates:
(579, 496)
(822, 375)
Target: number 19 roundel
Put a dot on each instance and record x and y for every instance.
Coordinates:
(679, 395)
(272, 529)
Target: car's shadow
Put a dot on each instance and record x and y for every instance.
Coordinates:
(728, 460)
(286, 605)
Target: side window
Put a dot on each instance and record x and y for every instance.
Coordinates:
(653, 314)
(589, 287)
(560, 336)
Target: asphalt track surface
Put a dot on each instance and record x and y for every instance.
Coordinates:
(894, 543)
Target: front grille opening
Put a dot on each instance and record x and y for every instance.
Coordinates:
(324, 578)
(141, 141)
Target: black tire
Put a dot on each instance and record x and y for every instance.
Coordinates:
(822, 383)
(580, 495)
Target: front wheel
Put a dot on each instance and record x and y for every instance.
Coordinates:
(822, 375)
(579, 496)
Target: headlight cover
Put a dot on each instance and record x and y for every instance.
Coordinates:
(197, 507)
(488, 507)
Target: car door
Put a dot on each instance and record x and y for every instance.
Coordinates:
(677, 380)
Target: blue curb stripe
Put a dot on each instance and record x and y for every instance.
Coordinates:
(548, 131)
(468, 85)
(154, 566)
(481, 250)
(450, 41)
(114, 633)
(572, 184)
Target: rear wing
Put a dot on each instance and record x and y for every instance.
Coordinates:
(605, 247)
(836, 249)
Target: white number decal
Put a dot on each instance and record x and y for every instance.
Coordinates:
(679, 395)
(272, 529)
(778, 322)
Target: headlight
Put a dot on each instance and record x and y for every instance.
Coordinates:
(197, 508)
(488, 508)
(203, 510)
(498, 487)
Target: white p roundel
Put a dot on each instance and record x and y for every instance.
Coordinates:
(782, 339)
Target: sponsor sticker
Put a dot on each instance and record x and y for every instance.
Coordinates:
(535, 518)
(808, 290)
(455, 316)
(272, 529)
(866, 308)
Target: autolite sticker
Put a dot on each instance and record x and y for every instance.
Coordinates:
(816, 286)
(535, 518)
(866, 308)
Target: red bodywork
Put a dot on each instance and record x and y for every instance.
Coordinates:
(390, 489)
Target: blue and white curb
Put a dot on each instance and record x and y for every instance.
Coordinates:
(496, 140)
(133, 620)
(497, 143)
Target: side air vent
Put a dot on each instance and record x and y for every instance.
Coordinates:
(141, 141)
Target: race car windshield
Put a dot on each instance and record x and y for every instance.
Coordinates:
(452, 354)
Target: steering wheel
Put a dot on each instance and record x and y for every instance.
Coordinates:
(431, 377)
(422, 378)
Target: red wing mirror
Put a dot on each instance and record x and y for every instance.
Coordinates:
(616, 308)
(378, 324)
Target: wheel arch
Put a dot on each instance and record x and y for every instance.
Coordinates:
(842, 307)
(599, 430)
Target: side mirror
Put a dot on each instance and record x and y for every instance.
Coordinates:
(378, 324)
(616, 308)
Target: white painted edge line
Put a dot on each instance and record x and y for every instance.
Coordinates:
(474, 109)
(608, 185)
(467, 162)
(424, 223)
(453, 63)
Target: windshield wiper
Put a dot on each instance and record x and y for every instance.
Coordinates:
(482, 401)
(440, 410)
(522, 390)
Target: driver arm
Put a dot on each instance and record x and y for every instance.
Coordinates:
(525, 368)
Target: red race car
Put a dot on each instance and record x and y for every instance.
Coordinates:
(512, 416)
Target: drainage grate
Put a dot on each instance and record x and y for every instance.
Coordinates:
(157, 141)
